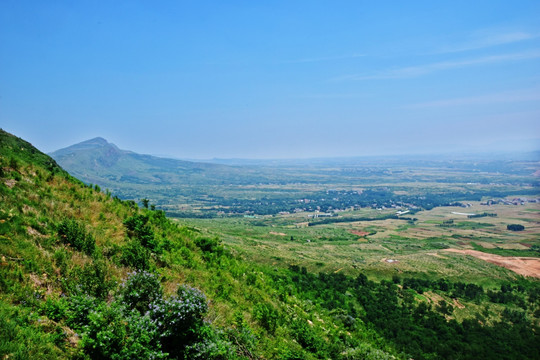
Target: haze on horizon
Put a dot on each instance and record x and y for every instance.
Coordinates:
(301, 79)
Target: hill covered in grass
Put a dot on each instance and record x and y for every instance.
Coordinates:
(86, 275)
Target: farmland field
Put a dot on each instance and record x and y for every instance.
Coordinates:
(382, 248)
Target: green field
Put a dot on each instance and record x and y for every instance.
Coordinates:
(417, 246)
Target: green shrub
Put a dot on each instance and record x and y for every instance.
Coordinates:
(14, 164)
(213, 346)
(74, 234)
(209, 245)
(267, 316)
(79, 307)
(114, 333)
(92, 280)
(139, 229)
(136, 256)
(180, 319)
(61, 259)
(140, 290)
(141, 324)
(242, 335)
(305, 335)
(55, 309)
(366, 352)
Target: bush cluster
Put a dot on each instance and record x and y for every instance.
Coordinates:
(72, 233)
(140, 323)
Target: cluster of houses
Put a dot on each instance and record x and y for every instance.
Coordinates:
(515, 201)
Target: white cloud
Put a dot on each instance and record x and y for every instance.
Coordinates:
(332, 96)
(485, 39)
(505, 97)
(415, 71)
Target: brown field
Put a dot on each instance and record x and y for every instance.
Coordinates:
(486, 245)
(526, 266)
(359, 233)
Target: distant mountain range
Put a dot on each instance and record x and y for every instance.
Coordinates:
(178, 184)
(132, 175)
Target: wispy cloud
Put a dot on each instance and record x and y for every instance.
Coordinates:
(415, 71)
(321, 59)
(504, 97)
(484, 40)
(331, 96)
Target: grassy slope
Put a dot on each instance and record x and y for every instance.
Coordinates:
(37, 269)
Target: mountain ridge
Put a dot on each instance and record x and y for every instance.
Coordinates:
(103, 163)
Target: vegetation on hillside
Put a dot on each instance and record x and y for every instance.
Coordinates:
(86, 275)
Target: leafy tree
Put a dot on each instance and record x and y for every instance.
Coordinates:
(139, 229)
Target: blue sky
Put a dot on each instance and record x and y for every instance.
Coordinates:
(273, 79)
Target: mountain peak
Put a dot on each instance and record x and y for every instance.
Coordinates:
(96, 140)
(95, 143)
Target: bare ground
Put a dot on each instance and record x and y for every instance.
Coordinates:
(526, 266)
(359, 233)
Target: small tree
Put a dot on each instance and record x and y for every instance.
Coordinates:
(515, 227)
(145, 202)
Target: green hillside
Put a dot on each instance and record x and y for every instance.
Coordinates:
(85, 275)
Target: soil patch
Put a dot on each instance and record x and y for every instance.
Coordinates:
(10, 183)
(526, 266)
(458, 304)
(359, 233)
(34, 232)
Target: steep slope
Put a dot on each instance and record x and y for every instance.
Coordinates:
(68, 290)
(64, 247)
(85, 275)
